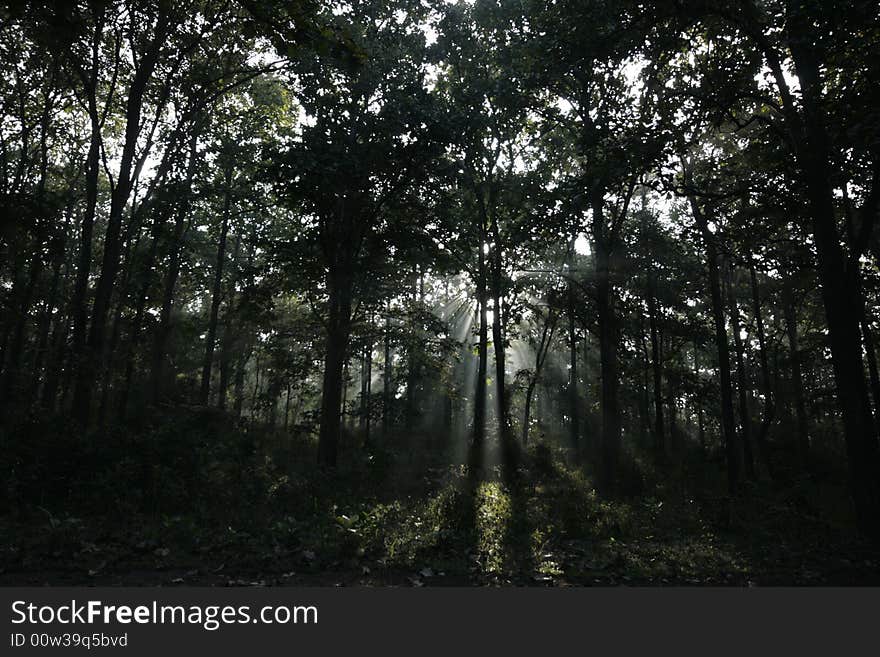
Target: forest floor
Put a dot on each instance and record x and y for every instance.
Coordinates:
(417, 523)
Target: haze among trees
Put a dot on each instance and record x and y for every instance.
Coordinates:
(424, 292)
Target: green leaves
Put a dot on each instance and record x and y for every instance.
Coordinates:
(347, 522)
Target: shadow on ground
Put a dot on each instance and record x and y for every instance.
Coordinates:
(389, 521)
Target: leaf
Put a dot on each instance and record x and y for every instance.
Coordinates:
(347, 522)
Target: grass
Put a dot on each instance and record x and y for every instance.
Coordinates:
(237, 508)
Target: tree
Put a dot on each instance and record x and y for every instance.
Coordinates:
(372, 131)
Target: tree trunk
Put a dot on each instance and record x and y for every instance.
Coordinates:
(42, 356)
(79, 305)
(228, 339)
(657, 370)
(95, 355)
(483, 345)
(499, 337)
(368, 388)
(22, 306)
(873, 374)
(255, 396)
(163, 331)
(137, 326)
(217, 291)
(500, 360)
(540, 357)
(387, 372)
(797, 384)
(573, 399)
(672, 405)
(238, 386)
(339, 286)
(413, 355)
(699, 401)
(530, 391)
(766, 387)
(732, 448)
(607, 322)
(837, 280)
(745, 419)
(645, 430)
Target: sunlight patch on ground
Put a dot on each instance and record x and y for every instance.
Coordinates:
(493, 516)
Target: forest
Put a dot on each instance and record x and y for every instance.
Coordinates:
(426, 292)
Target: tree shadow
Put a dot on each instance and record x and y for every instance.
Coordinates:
(518, 544)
